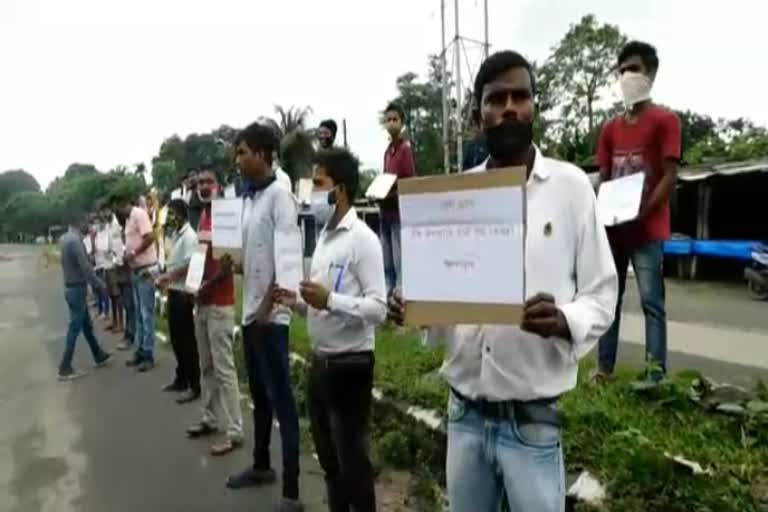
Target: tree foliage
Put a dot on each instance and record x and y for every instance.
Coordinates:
(296, 140)
(15, 181)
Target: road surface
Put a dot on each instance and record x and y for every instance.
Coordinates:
(109, 442)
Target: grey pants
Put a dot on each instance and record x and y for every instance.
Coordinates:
(221, 394)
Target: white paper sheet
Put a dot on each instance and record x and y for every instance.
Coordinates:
(380, 186)
(196, 269)
(618, 200)
(464, 246)
(226, 223)
(230, 192)
(305, 191)
(289, 259)
(177, 194)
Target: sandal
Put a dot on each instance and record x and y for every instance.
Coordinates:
(224, 447)
(599, 378)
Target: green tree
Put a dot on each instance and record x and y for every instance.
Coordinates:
(15, 181)
(296, 140)
(574, 81)
(30, 212)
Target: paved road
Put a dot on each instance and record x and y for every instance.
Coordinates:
(109, 442)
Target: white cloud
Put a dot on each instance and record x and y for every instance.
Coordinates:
(106, 81)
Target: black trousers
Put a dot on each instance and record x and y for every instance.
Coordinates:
(181, 330)
(339, 405)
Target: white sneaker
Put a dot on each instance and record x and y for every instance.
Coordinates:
(63, 377)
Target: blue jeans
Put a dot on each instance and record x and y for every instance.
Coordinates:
(144, 309)
(647, 262)
(102, 298)
(487, 457)
(267, 363)
(79, 320)
(390, 245)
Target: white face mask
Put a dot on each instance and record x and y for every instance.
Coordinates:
(635, 87)
(321, 208)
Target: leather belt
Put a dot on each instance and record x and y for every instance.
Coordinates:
(524, 412)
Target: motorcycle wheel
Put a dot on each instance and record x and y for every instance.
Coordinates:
(756, 291)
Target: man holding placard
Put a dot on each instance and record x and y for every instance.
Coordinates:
(214, 326)
(504, 426)
(268, 209)
(343, 299)
(644, 141)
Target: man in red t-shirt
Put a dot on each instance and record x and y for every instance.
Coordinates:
(398, 160)
(644, 139)
(214, 325)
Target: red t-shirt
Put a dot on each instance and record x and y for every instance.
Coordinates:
(223, 293)
(398, 159)
(641, 146)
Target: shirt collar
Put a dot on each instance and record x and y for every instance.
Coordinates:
(540, 170)
(347, 221)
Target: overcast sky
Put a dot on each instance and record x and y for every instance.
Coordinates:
(105, 81)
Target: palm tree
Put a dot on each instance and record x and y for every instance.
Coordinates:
(296, 140)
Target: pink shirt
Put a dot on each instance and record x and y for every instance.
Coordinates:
(137, 226)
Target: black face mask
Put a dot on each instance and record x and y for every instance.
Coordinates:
(508, 140)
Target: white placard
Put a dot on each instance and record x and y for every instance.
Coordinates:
(230, 192)
(380, 186)
(289, 260)
(196, 269)
(305, 191)
(176, 194)
(618, 200)
(464, 246)
(227, 223)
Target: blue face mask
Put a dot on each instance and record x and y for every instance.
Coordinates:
(323, 205)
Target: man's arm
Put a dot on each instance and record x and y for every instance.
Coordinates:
(670, 146)
(371, 306)
(85, 266)
(591, 312)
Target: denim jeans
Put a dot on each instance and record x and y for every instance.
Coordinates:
(102, 298)
(79, 320)
(269, 379)
(390, 245)
(486, 457)
(126, 298)
(647, 262)
(144, 309)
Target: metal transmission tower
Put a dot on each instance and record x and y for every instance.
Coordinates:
(455, 55)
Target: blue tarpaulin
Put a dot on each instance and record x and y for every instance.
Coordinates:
(732, 249)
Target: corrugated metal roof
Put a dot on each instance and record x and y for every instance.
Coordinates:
(702, 172)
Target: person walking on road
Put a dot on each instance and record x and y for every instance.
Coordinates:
(343, 306)
(214, 326)
(181, 322)
(78, 273)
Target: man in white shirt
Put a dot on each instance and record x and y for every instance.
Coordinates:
(102, 260)
(181, 321)
(503, 421)
(344, 298)
(267, 208)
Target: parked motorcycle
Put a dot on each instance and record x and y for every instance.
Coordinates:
(757, 273)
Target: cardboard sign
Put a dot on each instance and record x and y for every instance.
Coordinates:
(380, 186)
(463, 248)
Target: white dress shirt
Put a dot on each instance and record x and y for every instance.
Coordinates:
(102, 257)
(349, 263)
(271, 209)
(566, 255)
(184, 242)
(283, 179)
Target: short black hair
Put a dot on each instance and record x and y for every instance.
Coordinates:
(179, 208)
(331, 125)
(645, 51)
(496, 64)
(192, 170)
(342, 167)
(259, 137)
(395, 107)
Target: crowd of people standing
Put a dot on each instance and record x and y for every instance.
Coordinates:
(504, 425)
